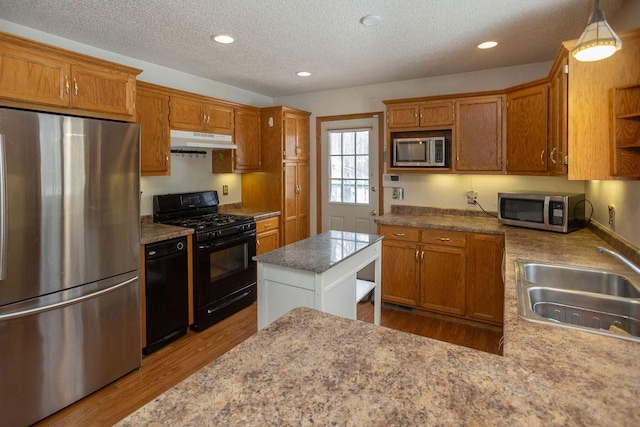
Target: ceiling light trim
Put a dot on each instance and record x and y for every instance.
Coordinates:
(222, 39)
(370, 20)
(488, 45)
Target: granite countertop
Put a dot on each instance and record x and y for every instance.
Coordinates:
(257, 214)
(310, 367)
(153, 232)
(319, 253)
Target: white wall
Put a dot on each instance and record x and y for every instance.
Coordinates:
(186, 174)
(426, 189)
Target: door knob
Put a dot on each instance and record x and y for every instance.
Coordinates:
(374, 189)
(374, 212)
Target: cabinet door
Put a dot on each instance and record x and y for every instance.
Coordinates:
(296, 137)
(442, 279)
(218, 119)
(153, 116)
(295, 216)
(303, 200)
(436, 113)
(479, 137)
(527, 130)
(267, 242)
(247, 139)
(186, 114)
(29, 76)
(402, 116)
(101, 89)
(484, 277)
(558, 99)
(400, 272)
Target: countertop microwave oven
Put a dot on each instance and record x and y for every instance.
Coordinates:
(419, 152)
(559, 212)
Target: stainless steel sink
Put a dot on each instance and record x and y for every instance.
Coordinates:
(594, 300)
(582, 279)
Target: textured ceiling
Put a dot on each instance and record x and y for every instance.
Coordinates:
(276, 38)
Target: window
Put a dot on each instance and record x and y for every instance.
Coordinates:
(349, 166)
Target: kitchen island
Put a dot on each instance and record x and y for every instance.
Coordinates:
(319, 272)
(314, 368)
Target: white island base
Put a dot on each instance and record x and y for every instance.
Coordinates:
(320, 273)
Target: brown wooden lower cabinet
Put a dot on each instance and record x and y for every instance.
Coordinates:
(444, 271)
(267, 235)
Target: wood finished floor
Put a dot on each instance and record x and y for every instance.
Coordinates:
(168, 366)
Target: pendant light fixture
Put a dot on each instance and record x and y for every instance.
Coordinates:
(598, 41)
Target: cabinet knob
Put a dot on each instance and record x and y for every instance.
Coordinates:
(399, 234)
(421, 255)
(75, 86)
(66, 85)
(417, 254)
(444, 239)
(542, 157)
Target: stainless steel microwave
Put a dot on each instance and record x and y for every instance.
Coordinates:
(419, 152)
(562, 213)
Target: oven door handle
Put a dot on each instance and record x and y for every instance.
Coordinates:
(225, 242)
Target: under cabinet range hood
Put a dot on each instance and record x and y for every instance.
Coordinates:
(181, 139)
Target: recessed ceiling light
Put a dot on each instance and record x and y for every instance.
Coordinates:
(303, 73)
(487, 45)
(222, 39)
(370, 20)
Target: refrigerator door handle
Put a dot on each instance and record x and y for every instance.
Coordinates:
(3, 210)
(61, 304)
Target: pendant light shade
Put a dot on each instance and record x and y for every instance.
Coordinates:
(598, 41)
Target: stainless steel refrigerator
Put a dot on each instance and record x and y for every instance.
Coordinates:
(69, 259)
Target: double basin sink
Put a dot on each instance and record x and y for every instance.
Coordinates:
(594, 300)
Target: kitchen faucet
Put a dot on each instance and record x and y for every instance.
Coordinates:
(620, 258)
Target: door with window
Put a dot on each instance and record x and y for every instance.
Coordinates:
(349, 173)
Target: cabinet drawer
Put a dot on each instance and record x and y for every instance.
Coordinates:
(444, 237)
(406, 234)
(266, 225)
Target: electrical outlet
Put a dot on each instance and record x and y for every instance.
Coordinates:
(612, 215)
(472, 197)
(225, 190)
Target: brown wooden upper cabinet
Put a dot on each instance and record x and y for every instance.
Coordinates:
(558, 97)
(421, 114)
(479, 134)
(247, 139)
(296, 136)
(198, 114)
(152, 105)
(598, 148)
(34, 75)
(527, 128)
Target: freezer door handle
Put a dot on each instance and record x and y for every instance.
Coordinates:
(3, 210)
(61, 304)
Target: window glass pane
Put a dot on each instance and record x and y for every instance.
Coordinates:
(349, 143)
(335, 143)
(335, 168)
(349, 167)
(349, 191)
(362, 142)
(362, 167)
(335, 192)
(362, 191)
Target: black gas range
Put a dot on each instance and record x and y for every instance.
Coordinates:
(223, 249)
